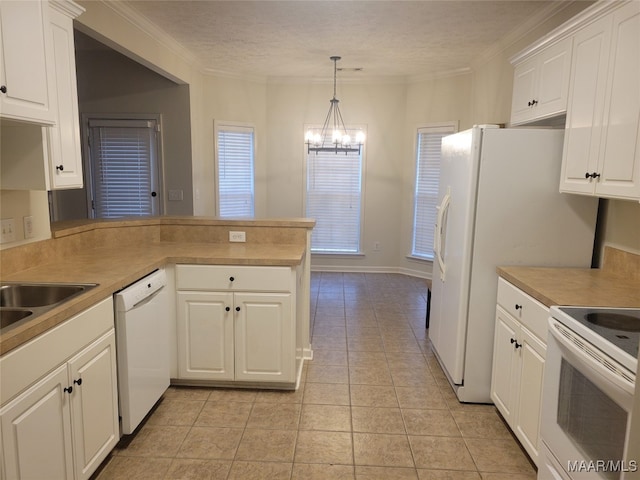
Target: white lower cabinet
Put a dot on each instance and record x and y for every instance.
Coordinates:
(518, 364)
(66, 422)
(36, 431)
(246, 336)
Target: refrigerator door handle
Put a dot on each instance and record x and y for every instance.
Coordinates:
(442, 210)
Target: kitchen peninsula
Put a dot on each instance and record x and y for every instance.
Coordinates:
(115, 253)
(237, 310)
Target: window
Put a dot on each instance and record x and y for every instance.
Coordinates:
(426, 192)
(234, 169)
(124, 167)
(334, 200)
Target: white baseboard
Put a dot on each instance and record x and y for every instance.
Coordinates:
(343, 269)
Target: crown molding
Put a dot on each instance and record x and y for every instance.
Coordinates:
(68, 7)
(568, 28)
(521, 31)
(152, 30)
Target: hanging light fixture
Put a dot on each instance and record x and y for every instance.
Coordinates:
(333, 128)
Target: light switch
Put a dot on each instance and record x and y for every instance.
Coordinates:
(8, 231)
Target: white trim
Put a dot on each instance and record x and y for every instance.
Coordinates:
(568, 28)
(217, 124)
(432, 127)
(520, 32)
(157, 35)
(67, 7)
(419, 259)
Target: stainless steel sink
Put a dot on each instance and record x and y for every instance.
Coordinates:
(21, 302)
(38, 295)
(9, 316)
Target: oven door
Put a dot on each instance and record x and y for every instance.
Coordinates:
(586, 407)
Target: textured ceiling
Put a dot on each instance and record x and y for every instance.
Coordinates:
(296, 38)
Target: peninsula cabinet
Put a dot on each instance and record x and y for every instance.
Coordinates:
(518, 363)
(601, 154)
(65, 423)
(236, 324)
(26, 62)
(541, 83)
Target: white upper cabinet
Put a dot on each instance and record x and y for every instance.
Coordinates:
(36, 157)
(541, 83)
(602, 139)
(26, 62)
(63, 138)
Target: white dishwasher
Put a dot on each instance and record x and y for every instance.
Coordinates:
(142, 340)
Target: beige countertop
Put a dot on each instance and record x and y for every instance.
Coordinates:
(113, 268)
(575, 286)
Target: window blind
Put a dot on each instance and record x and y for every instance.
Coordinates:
(334, 198)
(235, 151)
(122, 154)
(426, 190)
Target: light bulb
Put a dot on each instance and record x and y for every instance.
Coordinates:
(346, 139)
(308, 136)
(317, 139)
(360, 137)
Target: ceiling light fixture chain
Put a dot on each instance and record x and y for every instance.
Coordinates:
(333, 128)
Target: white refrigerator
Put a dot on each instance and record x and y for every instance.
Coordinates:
(498, 204)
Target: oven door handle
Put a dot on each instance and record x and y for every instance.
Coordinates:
(592, 358)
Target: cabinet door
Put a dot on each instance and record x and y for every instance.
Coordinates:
(585, 106)
(504, 373)
(524, 80)
(541, 84)
(553, 79)
(65, 160)
(94, 404)
(620, 150)
(36, 431)
(532, 359)
(205, 335)
(265, 337)
(25, 61)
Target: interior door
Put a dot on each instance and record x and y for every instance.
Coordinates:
(123, 166)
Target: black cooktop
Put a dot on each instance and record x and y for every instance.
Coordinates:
(620, 326)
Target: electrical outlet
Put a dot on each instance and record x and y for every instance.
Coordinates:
(28, 226)
(237, 237)
(8, 231)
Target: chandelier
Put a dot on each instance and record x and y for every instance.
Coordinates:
(333, 128)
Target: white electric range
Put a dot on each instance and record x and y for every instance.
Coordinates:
(589, 384)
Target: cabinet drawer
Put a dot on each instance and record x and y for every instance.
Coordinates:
(531, 313)
(231, 277)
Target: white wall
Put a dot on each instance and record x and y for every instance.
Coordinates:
(110, 83)
(442, 99)
(234, 100)
(380, 109)
(17, 204)
(390, 111)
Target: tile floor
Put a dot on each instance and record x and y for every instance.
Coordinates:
(374, 404)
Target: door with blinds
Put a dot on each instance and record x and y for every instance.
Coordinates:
(124, 172)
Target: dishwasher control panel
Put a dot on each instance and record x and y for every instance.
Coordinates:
(140, 290)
